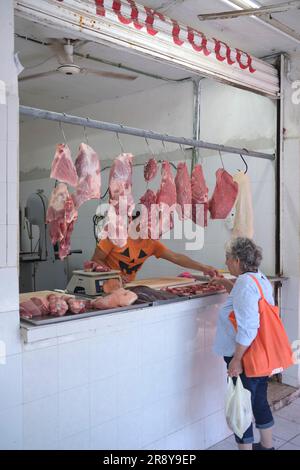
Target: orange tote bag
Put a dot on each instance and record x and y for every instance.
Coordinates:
(270, 352)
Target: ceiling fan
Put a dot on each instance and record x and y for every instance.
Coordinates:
(64, 51)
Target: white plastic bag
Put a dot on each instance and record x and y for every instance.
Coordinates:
(238, 407)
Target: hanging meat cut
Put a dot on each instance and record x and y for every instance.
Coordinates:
(199, 196)
(243, 220)
(224, 196)
(121, 203)
(150, 169)
(148, 214)
(61, 215)
(183, 191)
(87, 166)
(166, 199)
(63, 168)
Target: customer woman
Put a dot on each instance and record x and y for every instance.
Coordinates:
(243, 258)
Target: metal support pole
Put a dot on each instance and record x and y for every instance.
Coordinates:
(196, 118)
(111, 127)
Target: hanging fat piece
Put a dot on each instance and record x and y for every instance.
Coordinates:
(150, 169)
(243, 220)
(183, 191)
(199, 196)
(224, 195)
(61, 216)
(148, 214)
(63, 168)
(88, 170)
(166, 199)
(121, 202)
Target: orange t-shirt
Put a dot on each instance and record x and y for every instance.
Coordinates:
(131, 257)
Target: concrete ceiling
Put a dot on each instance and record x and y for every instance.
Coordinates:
(64, 93)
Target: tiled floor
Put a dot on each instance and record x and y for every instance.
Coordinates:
(286, 431)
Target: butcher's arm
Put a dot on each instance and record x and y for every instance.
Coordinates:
(99, 257)
(186, 262)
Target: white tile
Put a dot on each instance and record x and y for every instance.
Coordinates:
(3, 124)
(284, 429)
(103, 356)
(74, 411)
(289, 446)
(195, 436)
(104, 437)
(11, 380)
(128, 349)
(157, 445)
(176, 440)
(103, 400)
(12, 203)
(290, 412)
(129, 431)
(11, 429)
(79, 441)
(129, 390)
(3, 203)
(216, 429)
(40, 374)
(296, 441)
(9, 288)
(12, 245)
(153, 342)
(176, 409)
(73, 364)
(196, 403)
(10, 332)
(3, 246)
(12, 162)
(40, 424)
(154, 383)
(13, 117)
(153, 423)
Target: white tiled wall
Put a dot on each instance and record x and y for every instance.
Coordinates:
(134, 382)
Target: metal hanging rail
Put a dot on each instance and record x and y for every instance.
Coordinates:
(120, 129)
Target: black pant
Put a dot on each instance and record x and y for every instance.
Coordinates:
(261, 410)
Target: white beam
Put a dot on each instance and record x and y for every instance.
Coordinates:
(261, 11)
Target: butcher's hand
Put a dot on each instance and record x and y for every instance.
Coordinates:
(235, 367)
(210, 271)
(221, 281)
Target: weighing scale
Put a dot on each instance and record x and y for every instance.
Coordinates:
(88, 283)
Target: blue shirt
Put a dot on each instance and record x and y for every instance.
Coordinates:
(243, 300)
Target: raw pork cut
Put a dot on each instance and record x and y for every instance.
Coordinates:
(63, 168)
(183, 191)
(147, 294)
(199, 197)
(148, 215)
(243, 220)
(224, 196)
(119, 298)
(166, 199)
(57, 305)
(87, 165)
(42, 304)
(121, 203)
(150, 169)
(111, 285)
(61, 215)
(29, 309)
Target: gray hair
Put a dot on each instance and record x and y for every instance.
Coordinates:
(249, 254)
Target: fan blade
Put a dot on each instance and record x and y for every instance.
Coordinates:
(121, 76)
(37, 75)
(59, 50)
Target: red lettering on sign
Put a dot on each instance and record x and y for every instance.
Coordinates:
(219, 56)
(175, 33)
(191, 39)
(249, 61)
(100, 10)
(151, 14)
(116, 6)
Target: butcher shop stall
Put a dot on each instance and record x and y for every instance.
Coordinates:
(118, 101)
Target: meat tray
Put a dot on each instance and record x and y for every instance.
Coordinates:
(46, 320)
